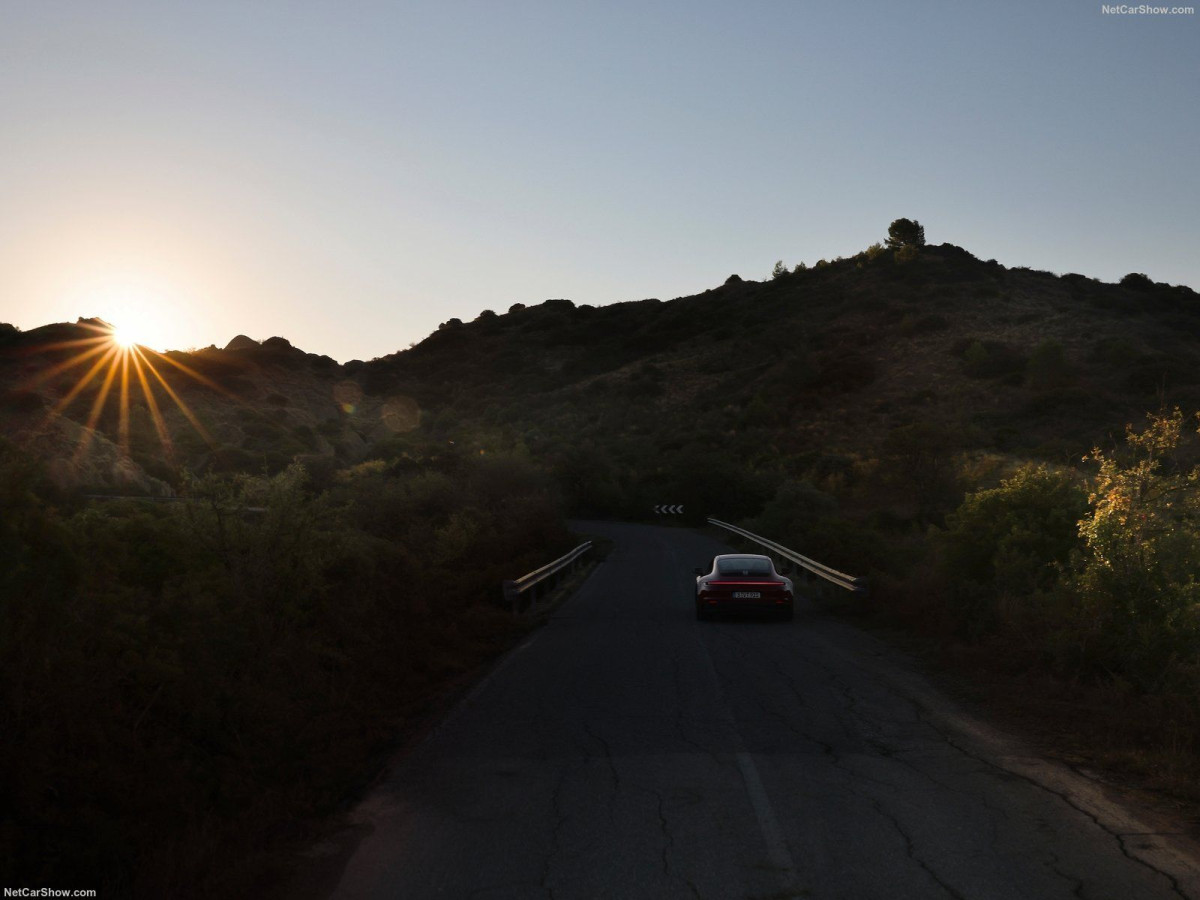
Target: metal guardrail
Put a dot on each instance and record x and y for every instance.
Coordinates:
(140, 497)
(147, 499)
(841, 579)
(539, 581)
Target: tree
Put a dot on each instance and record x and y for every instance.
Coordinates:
(780, 270)
(905, 233)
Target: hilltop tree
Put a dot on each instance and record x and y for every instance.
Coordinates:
(905, 233)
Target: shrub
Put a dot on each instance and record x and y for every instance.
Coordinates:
(1137, 281)
(975, 359)
(1047, 366)
(991, 359)
(795, 506)
(1115, 353)
(1015, 536)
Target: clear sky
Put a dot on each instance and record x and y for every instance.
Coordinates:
(350, 174)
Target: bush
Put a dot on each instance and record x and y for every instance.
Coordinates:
(1015, 536)
(992, 359)
(1137, 281)
(1137, 585)
(795, 506)
(1047, 367)
(1115, 353)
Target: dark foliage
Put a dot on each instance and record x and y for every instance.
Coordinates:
(244, 653)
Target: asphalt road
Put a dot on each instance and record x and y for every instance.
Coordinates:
(628, 751)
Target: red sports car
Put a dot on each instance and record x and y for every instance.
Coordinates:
(742, 582)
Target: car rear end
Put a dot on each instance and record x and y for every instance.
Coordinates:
(745, 594)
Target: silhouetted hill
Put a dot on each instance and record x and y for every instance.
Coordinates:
(825, 362)
(813, 371)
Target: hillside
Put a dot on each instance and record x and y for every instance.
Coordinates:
(254, 652)
(813, 371)
(817, 374)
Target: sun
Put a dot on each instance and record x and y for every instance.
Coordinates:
(124, 337)
(133, 314)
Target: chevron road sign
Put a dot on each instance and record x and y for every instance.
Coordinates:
(672, 509)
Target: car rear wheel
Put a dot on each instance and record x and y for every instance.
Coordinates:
(703, 614)
(785, 615)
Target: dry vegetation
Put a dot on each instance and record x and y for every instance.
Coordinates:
(918, 416)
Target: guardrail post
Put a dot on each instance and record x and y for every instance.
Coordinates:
(512, 597)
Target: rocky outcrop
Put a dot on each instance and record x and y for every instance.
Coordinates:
(241, 342)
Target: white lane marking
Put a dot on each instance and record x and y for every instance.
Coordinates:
(764, 813)
(777, 851)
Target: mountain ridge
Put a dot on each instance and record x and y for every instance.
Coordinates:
(836, 357)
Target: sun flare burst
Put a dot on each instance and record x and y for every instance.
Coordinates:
(118, 362)
(124, 337)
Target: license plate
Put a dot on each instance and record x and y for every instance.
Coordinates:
(746, 595)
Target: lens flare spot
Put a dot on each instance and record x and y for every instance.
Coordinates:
(401, 414)
(348, 395)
